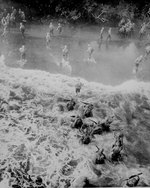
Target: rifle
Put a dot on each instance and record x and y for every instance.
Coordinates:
(133, 176)
(86, 103)
(93, 121)
(97, 148)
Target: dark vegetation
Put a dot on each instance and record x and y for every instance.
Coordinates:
(93, 11)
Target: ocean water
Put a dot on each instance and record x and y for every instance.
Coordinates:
(114, 63)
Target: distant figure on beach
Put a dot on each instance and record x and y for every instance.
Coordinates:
(22, 29)
(90, 51)
(142, 31)
(138, 61)
(48, 40)
(22, 51)
(108, 39)
(4, 34)
(100, 39)
(65, 64)
(51, 29)
(59, 28)
(65, 53)
(78, 86)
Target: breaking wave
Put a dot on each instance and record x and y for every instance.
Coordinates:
(36, 124)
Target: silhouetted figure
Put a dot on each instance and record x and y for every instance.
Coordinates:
(22, 51)
(22, 29)
(90, 51)
(51, 29)
(78, 87)
(109, 35)
(100, 39)
(59, 28)
(88, 111)
(48, 40)
(85, 139)
(138, 61)
(70, 105)
(100, 157)
(142, 31)
(65, 53)
(77, 123)
(116, 153)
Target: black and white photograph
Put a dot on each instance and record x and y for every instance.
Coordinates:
(74, 93)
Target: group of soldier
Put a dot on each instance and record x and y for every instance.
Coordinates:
(64, 63)
(65, 50)
(108, 38)
(18, 174)
(50, 33)
(11, 19)
(88, 128)
(126, 27)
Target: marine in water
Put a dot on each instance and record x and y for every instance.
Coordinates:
(78, 86)
(22, 29)
(100, 157)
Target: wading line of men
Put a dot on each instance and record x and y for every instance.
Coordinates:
(9, 20)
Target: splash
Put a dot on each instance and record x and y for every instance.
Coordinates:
(38, 119)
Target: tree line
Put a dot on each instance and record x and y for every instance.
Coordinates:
(87, 10)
